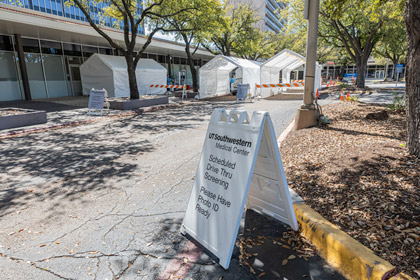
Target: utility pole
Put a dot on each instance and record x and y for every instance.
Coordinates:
(307, 115)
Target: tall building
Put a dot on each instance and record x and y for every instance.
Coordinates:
(268, 11)
(44, 42)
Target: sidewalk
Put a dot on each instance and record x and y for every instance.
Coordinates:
(106, 200)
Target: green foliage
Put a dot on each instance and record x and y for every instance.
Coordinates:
(398, 103)
(235, 31)
(343, 86)
(394, 44)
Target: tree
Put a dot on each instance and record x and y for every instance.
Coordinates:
(192, 26)
(235, 29)
(412, 77)
(355, 26)
(393, 45)
(126, 12)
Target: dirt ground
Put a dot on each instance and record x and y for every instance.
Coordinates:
(357, 173)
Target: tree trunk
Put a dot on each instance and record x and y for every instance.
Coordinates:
(132, 79)
(361, 71)
(412, 78)
(190, 62)
(394, 74)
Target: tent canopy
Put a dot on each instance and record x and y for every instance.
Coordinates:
(215, 75)
(285, 61)
(110, 72)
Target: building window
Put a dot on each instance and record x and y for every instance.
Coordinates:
(161, 59)
(72, 49)
(49, 47)
(88, 51)
(152, 56)
(30, 45)
(106, 51)
(6, 43)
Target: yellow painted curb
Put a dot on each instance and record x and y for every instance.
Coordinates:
(401, 276)
(341, 251)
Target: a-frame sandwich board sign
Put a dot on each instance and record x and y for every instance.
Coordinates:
(240, 160)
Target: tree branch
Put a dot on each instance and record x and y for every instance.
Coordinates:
(97, 29)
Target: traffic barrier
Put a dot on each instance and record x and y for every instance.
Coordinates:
(280, 85)
(298, 81)
(348, 97)
(334, 83)
(317, 93)
(167, 86)
(341, 97)
(184, 87)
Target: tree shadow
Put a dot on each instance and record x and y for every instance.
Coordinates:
(69, 162)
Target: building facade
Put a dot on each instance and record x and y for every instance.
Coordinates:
(44, 42)
(269, 13)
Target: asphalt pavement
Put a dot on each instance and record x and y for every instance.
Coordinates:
(106, 200)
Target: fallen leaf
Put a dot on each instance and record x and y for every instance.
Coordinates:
(284, 262)
(261, 274)
(291, 257)
(43, 245)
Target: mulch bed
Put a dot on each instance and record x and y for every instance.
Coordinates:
(357, 173)
(10, 112)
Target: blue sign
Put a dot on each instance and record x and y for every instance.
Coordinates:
(399, 68)
(347, 75)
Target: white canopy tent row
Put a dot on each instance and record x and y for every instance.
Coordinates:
(285, 61)
(110, 72)
(215, 75)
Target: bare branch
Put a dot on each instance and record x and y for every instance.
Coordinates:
(97, 29)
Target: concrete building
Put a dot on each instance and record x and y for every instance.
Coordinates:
(44, 42)
(268, 11)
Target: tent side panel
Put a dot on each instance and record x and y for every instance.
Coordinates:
(208, 83)
(121, 85)
(147, 77)
(96, 74)
(251, 76)
(223, 82)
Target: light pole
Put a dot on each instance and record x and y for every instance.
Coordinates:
(307, 115)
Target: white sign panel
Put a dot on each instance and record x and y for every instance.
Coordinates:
(234, 146)
(96, 99)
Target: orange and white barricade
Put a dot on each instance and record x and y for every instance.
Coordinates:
(281, 85)
(298, 81)
(184, 93)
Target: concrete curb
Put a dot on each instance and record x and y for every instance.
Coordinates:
(24, 132)
(340, 250)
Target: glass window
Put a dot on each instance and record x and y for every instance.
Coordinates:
(30, 45)
(183, 61)
(88, 51)
(6, 43)
(55, 77)
(35, 75)
(143, 55)
(74, 60)
(176, 60)
(8, 78)
(152, 56)
(106, 51)
(161, 59)
(72, 49)
(49, 47)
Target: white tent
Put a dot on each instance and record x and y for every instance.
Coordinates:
(215, 78)
(285, 61)
(110, 72)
